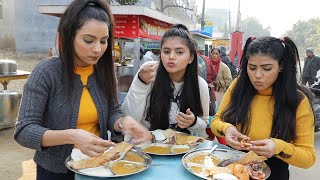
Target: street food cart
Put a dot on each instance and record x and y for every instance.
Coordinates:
(142, 30)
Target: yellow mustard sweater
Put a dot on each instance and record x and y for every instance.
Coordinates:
(300, 152)
(88, 115)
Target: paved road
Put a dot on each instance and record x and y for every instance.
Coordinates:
(312, 173)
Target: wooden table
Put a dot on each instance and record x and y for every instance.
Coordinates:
(6, 78)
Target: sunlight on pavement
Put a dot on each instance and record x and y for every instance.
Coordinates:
(28, 170)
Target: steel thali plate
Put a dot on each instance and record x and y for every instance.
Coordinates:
(111, 170)
(224, 157)
(162, 149)
(219, 155)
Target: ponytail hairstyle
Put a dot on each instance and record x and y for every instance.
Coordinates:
(75, 16)
(162, 89)
(285, 88)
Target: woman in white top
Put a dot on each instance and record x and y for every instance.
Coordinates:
(169, 93)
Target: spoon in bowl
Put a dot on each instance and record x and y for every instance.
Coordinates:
(212, 149)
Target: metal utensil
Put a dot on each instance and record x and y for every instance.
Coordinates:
(212, 149)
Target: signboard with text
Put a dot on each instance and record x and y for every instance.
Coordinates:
(137, 26)
(151, 45)
(152, 28)
(126, 26)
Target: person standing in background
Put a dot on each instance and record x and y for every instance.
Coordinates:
(311, 66)
(211, 76)
(143, 57)
(154, 54)
(226, 60)
(54, 51)
(224, 78)
(202, 67)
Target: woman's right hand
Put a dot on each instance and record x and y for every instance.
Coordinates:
(232, 137)
(88, 143)
(137, 131)
(148, 72)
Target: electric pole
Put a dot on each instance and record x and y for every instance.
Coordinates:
(202, 14)
(229, 19)
(238, 18)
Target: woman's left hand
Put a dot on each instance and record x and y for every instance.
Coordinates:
(185, 120)
(264, 147)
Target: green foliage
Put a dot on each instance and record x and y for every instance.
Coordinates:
(127, 2)
(251, 26)
(306, 34)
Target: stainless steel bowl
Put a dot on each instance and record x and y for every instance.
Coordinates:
(9, 105)
(8, 67)
(126, 70)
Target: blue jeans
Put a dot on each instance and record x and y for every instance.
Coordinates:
(43, 174)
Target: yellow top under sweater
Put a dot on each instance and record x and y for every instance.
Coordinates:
(300, 152)
(88, 115)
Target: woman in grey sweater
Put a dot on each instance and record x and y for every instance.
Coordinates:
(71, 101)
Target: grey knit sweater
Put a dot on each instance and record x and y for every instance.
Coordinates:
(45, 105)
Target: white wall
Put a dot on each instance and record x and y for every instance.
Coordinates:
(7, 27)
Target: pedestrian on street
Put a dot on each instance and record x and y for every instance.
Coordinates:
(311, 66)
(143, 58)
(154, 54)
(71, 100)
(266, 104)
(224, 77)
(226, 60)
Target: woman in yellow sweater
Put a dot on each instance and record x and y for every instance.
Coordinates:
(266, 104)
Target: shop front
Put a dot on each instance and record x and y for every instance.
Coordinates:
(203, 40)
(139, 30)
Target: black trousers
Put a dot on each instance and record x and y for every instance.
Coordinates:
(279, 169)
(43, 174)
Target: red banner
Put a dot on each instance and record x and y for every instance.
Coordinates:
(134, 26)
(236, 47)
(152, 28)
(126, 26)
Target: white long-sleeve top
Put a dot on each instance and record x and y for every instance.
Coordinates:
(137, 102)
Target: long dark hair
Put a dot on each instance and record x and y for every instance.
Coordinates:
(71, 21)
(285, 88)
(162, 90)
